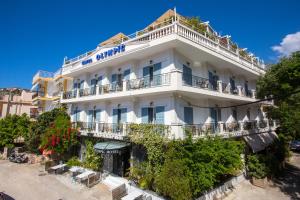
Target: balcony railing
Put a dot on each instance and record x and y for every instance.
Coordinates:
(42, 74)
(148, 82)
(185, 30)
(110, 88)
(232, 129)
(159, 81)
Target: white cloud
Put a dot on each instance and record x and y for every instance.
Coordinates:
(289, 44)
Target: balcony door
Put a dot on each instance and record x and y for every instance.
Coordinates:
(213, 80)
(151, 75)
(93, 117)
(116, 81)
(188, 115)
(119, 117)
(215, 114)
(187, 75)
(232, 85)
(94, 82)
(153, 115)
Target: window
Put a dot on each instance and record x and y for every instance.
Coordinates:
(153, 115)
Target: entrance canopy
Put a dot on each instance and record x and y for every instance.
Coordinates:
(259, 142)
(110, 147)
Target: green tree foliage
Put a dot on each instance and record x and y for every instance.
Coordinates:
(92, 160)
(12, 127)
(38, 128)
(184, 169)
(60, 136)
(282, 82)
(173, 180)
(257, 166)
(209, 161)
(152, 138)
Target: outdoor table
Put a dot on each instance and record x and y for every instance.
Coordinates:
(76, 170)
(58, 168)
(87, 175)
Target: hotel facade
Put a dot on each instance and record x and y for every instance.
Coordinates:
(170, 73)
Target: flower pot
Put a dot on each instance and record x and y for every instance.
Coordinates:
(259, 182)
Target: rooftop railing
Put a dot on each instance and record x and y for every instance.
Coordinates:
(184, 29)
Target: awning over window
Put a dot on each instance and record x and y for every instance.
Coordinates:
(110, 147)
(259, 142)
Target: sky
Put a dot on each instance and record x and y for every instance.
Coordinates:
(38, 34)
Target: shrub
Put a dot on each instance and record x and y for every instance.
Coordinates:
(173, 180)
(59, 137)
(92, 160)
(257, 166)
(74, 161)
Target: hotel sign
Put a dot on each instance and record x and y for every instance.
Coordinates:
(105, 54)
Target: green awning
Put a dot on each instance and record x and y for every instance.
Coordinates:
(110, 147)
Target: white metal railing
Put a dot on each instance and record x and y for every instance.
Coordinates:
(183, 30)
(43, 74)
(57, 73)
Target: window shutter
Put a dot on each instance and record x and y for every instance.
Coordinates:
(187, 75)
(98, 112)
(123, 115)
(115, 116)
(90, 116)
(188, 115)
(156, 68)
(100, 78)
(159, 114)
(78, 115)
(114, 78)
(126, 74)
(145, 117)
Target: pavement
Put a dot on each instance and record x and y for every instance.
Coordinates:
(31, 182)
(286, 187)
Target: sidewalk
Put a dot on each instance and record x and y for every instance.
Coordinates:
(285, 187)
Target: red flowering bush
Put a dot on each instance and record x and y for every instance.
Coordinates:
(59, 137)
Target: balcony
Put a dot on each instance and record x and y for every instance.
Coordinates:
(186, 31)
(234, 129)
(168, 82)
(42, 75)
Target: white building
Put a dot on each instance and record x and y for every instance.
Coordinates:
(169, 73)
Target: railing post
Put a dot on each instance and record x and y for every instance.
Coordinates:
(221, 125)
(97, 89)
(77, 93)
(96, 128)
(61, 95)
(220, 89)
(239, 90)
(241, 125)
(124, 85)
(253, 93)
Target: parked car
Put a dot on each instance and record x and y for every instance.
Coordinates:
(295, 145)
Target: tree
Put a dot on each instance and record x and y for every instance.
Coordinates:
(59, 137)
(12, 127)
(281, 81)
(39, 128)
(92, 160)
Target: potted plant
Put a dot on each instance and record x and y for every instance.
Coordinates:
(257, 169)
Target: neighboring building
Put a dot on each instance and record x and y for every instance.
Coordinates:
(47, 87)
(16, 101)
(167, 74)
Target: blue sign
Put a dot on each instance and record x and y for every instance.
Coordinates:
(105, 54)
